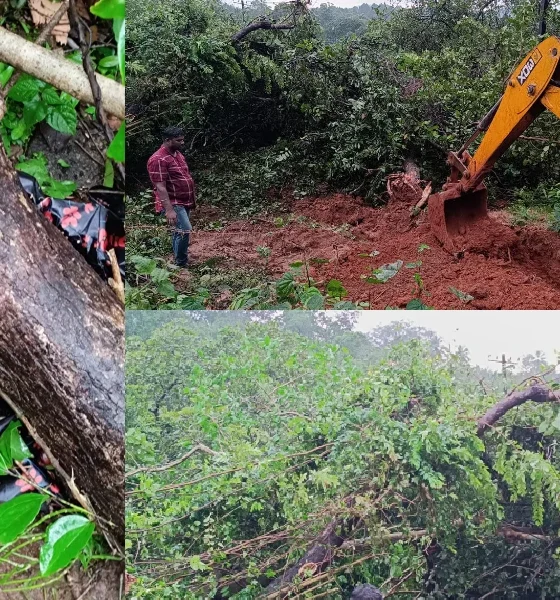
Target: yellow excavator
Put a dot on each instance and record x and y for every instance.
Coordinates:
(533, 87)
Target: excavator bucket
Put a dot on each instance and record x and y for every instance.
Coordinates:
(453, 213)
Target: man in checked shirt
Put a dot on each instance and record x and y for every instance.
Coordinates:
(173, 190)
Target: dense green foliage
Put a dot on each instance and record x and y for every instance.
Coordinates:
(276, 429)
(286, 109)
(31, 101)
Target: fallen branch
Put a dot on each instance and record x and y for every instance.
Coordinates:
(61, 73)
(264, 24)
(47, 30)
(535, 393)
(197, 448)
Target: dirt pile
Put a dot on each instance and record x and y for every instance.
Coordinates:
(342, 239)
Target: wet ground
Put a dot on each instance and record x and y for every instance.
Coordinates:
(338, 237)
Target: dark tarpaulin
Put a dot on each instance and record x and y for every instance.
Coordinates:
(93, 227)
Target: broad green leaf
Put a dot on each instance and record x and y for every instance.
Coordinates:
(314, 302)
(63, 163)
(36, 167)
(109, 61)
(51, 96)
(116, 149)
(63, 118)
(143, 265)
(12, 446)
(167, 289)
(6, 74)
(335, 289)
(34, 112)
(416, 304)
(196, 564)
(109, 9)
(25, 89)
(66, 538)
(17, 514)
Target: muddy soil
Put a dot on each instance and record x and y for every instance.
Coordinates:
(501, 267)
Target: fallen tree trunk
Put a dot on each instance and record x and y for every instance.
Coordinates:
(534, 393)
(59, 72)
(62, 356)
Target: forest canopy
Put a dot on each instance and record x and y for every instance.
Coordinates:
(288, 455)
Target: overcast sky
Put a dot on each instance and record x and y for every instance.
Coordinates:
(485, 333)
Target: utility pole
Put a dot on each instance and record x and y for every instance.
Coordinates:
(506, 364)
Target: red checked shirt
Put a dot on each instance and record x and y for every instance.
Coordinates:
(173, 170)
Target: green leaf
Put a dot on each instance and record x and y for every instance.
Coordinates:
(423, 247)
(116, 149)
(314, 302)
(414, 265)
(109, 176)
(417, 304)
(6, 75)
(59, 189)
(167, 289)
(109, 9)
(119, 31)
(143, 265)
(66, 538)
(62, 163)
(34, 112)
(19, 130)
(17, 514)
(25, 89)
(196, 564)
(63, 118)
(463, 296)
(385, 272)
(36, 167)
(335, 289)
(12, 446)
(109, 61)
(51, 96)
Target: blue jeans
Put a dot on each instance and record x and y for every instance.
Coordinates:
(181, 235)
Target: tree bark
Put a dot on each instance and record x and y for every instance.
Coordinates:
(62, 356)
(258, 25)
(535, 393)
(59, 72)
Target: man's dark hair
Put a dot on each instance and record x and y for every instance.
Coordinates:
(172, 132)
(365, 591)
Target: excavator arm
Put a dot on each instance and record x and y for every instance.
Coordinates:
(533, 87)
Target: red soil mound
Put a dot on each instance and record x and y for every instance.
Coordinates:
(500, 266)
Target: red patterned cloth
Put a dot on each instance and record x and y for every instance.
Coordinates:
(172, 169)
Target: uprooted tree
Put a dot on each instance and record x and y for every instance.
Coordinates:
(265, 465)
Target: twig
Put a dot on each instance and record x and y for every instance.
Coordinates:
(118, 283)
(85, 151)
(85, 47)
(197, 448)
